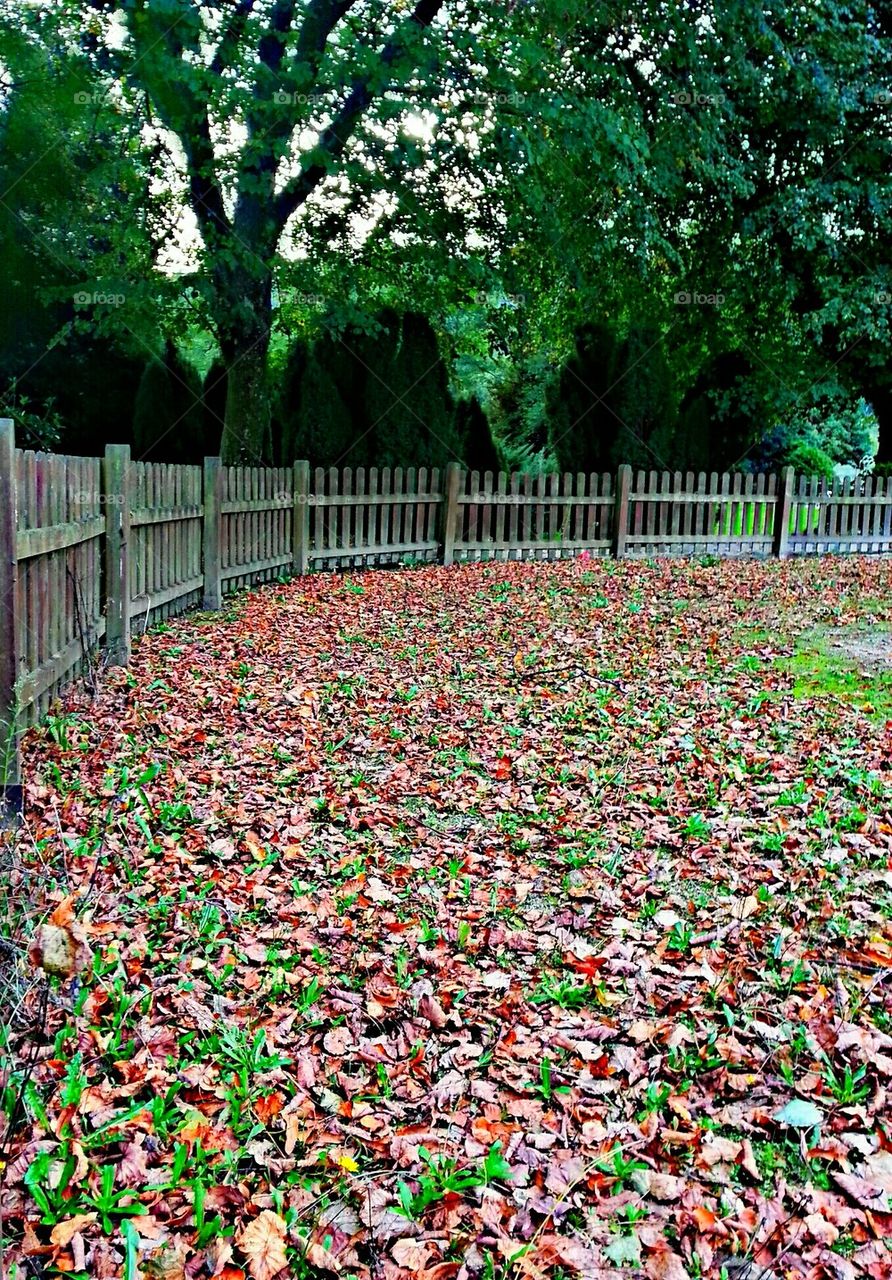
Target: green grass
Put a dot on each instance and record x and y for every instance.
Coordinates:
(821, 672)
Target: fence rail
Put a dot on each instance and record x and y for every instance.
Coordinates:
(92, 549)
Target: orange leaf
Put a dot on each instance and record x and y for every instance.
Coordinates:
(705, 1219)
(64, 913)
(269, 1105)
(503, 768)
(589, 966)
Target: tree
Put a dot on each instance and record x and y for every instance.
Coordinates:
(407, 410)
(745, 156)
(300, 79)
(565, 161)
(321, 405)
(583, 425)
(168, 417)
(642, 400)
(61, 379)
(478, 449)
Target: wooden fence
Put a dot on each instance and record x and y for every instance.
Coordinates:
(92, 550)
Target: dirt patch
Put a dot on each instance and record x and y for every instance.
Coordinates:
(871, 650)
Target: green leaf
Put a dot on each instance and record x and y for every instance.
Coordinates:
(624, 1249)
(800, 1114)
(405, 1199)
(131, 1253)
(148, 775)
(495, 1166)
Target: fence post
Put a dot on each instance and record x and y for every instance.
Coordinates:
(210, 537)
(621, 511)
(450, 511)
(301, 519)
(10, 749)
(782, 514)
(116, 495)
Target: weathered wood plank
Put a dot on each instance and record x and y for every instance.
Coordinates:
(10, 749)
(117, 553)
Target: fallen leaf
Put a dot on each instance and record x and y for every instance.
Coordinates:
(63, 1231)
(799, 1113)
(263, 1244)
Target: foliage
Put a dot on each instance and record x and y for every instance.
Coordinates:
(581, 424)
(408, 411)
(169, 414)
(840, 429)
(476, 446)
(712, 197)
(641, 398)
(318, 423)
(368, 930)
(807, 460)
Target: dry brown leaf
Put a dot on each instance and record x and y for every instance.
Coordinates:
(666, 1266)
(663, 1186)
(411, 1254)
(63, 1231)
(743, 908)
(377, 891)
(318, 1256)
(61, 950)
(263, 1244)
(869, 1194)
(168, 1262)
(431, 1009)
(716, 1149)
(818, 1226)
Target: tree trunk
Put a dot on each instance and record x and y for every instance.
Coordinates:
(244, 320)
(246, 421)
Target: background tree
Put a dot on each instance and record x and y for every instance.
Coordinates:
(514, 175)
(312, 87)
(168, 416)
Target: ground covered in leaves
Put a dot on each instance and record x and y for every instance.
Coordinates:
(500, 921)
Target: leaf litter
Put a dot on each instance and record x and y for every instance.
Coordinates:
(512, 920)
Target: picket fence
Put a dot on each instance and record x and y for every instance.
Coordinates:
(92, 549)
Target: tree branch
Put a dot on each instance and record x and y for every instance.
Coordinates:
(272, 45)
(335, 138)
(181, 107)
(269, 126)
(232, 34)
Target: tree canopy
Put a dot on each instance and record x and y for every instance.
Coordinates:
(707, 189)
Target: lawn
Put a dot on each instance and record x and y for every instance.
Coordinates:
(520, 920)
